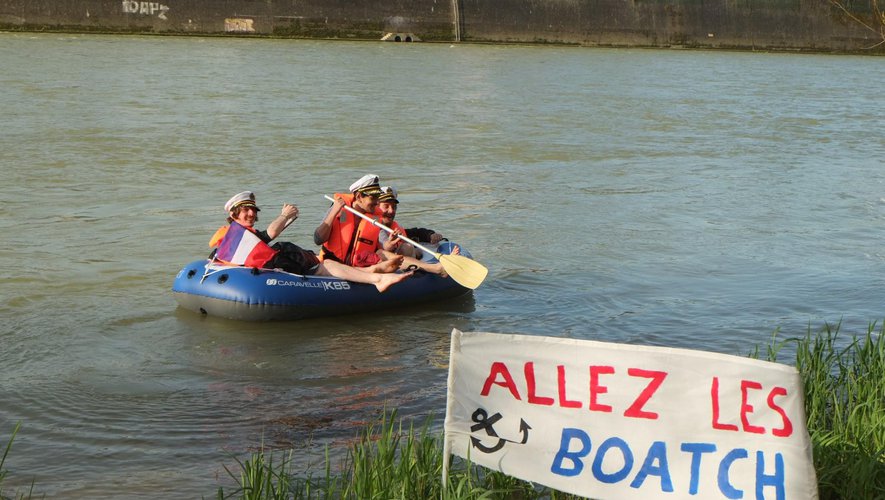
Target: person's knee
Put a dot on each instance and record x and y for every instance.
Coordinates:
(322, 269)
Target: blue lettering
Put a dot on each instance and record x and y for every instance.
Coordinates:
(776, 480)
(600, 456)
(696, 449)
(655, 464)
(615, 453)
(575, 456)
(724, 485)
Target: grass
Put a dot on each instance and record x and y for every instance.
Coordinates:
(387, 461)
(4, 472)
(844, 384)
(845, 409)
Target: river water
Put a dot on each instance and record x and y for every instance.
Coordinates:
(672, 198)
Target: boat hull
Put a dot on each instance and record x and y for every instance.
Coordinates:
(266, 295)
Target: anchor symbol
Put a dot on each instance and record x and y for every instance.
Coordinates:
(485, 422)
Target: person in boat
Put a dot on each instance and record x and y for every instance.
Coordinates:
(391, 244)
(347, 238)
(239, 243)
(388, 203)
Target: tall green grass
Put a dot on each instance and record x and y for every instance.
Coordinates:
(387, 461)
(845, 409)
(4, 472)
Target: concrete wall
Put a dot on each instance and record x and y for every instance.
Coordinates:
(741, 24)
(363, 19)
(759, 24)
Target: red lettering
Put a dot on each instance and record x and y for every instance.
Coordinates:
(714, 396)
(787, 429)
(657, 378)
(560, 380)
(499, 368)
(747, 408)
(595, 388)
(530, 383)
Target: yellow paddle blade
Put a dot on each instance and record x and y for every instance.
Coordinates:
(467, 272)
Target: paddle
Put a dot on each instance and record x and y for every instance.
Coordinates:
(467, 272)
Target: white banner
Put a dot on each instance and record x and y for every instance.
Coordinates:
(614, 421)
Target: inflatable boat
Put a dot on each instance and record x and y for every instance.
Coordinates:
(252, 294)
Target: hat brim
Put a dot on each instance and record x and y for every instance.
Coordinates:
(246, 203)
(371, 191)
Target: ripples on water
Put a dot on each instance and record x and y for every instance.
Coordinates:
(686, 199)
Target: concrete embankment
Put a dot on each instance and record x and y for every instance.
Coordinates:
(790, 25)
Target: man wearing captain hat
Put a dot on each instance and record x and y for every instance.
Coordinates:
(392, 245)
(237, 207)
(388, 203)
(239, 243)
(350, 239)
(242, 214)
(246, 198)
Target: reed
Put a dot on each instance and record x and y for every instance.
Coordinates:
(4, 472)
(388, 460)
(844, 385)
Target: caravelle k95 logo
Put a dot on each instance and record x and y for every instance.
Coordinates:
(325, 285)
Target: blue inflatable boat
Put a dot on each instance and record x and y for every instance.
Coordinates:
(249, 294)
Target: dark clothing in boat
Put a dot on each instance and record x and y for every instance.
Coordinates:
(419, 233)
(290, 257)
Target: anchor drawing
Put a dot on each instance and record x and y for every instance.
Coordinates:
(485, 422)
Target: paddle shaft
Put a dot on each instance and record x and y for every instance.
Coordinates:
(382, 226)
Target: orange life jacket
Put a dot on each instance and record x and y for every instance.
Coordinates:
(350, 235)
(218, 236)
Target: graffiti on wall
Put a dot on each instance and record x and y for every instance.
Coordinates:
(145, 8)
(238, 25)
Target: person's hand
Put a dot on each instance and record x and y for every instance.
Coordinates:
(436, 238)
(394, 241)
(338, 205)
(289, 212)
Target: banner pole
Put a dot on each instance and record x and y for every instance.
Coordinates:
(450, 403)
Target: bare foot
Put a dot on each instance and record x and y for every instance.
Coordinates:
(389, 279)
(456, 250)
(388, 266)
